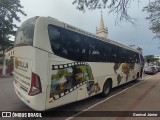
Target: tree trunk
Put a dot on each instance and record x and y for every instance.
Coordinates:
(4, 64)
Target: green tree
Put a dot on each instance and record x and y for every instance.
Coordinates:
(150, 59)
(8, 13)
(153, 9)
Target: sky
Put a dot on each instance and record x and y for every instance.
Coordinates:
(123, 32)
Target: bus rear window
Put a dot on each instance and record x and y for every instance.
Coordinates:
(25, 33)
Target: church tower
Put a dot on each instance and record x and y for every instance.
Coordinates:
(102, 31)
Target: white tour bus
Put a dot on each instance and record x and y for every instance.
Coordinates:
(56, 63)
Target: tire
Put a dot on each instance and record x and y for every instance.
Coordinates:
(106, 88)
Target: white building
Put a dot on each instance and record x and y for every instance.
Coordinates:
(9, 54)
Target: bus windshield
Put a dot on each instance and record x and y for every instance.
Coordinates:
(25, 33)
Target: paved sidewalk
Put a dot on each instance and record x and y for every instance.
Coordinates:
(142, 97)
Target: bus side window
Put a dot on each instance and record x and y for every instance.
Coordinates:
(56, 40)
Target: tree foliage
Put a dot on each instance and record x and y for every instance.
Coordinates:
(116, 6)
(151, 59)
(8, 13)
(153, 9)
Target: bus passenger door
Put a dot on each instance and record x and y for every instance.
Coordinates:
(81, 91)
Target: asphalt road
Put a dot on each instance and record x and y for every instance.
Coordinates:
(124, 98)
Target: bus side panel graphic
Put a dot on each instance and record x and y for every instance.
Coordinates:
(66, 78)
(126, 68)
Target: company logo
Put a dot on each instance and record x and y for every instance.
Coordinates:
(20, 64)
(21, 114)
(6, 114)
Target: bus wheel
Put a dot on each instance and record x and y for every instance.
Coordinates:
(106, 88)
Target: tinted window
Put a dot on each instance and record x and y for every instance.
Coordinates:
(25, 33)
(78, 47)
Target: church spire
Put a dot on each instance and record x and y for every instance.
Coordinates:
(102, 31)
(101, 26)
